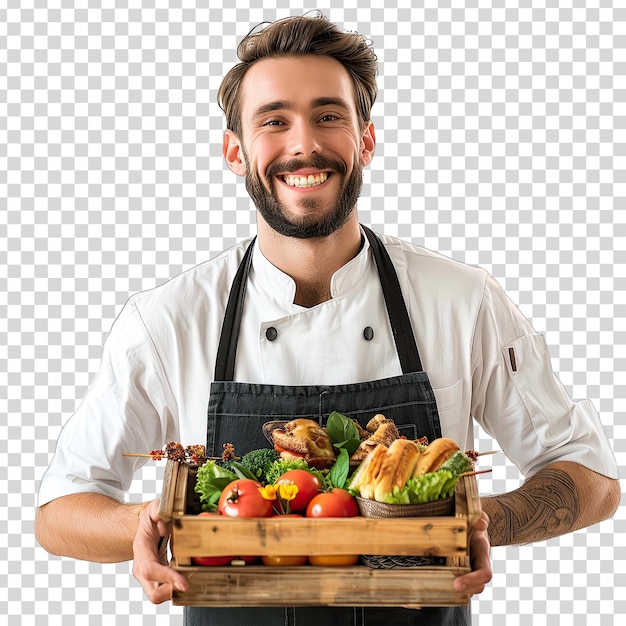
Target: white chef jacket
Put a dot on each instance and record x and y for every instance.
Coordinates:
(484, 360)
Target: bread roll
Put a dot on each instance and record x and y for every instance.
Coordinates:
(397, 467)
(385, 434)
(364, 478)
(435, 454)
(305, 438)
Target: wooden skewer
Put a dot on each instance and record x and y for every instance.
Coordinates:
(145, 456)
(486, 453)
(164, 456)
(477, 454)
(486, 471)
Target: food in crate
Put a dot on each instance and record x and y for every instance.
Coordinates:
(288, 537)
(409, 473)
(312, 471)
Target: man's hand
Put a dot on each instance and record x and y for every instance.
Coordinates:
(150, 566)
(475, 581)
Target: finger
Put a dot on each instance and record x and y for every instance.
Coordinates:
(159, 581)
(149, 547)
(481, 574)
(474, 582)
(153, 576)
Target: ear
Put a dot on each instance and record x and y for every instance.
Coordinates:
(233, 153)
(368, 144)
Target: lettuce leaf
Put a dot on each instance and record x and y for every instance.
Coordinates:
(426, 488)
(210, 481)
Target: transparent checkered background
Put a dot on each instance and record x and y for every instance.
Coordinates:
(502, 142)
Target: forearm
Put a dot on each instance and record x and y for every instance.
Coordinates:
(560, 498)
(88, 526)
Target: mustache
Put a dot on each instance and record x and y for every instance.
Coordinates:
(317, 163)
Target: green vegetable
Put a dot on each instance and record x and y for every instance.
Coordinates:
(339, 472)
(458, 463)
(210, 481)
(256, 461)
(276, 469)
(342, 432)
(426, 488)
(433, 486)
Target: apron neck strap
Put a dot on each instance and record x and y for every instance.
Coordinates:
(396, 309)
(227, 349)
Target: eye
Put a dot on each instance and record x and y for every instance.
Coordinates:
(273, 123)
(329, 117)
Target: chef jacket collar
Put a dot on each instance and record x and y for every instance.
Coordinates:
(282, 288)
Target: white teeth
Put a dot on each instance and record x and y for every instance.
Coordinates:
(306, 181)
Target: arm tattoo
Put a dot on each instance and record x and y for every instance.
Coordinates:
(545, 506)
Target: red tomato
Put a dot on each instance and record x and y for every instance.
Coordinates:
(290, 453)
(284, 561)
(242, 498)
(335, 503)
(249, 560)
(212, 560)
(308, 486)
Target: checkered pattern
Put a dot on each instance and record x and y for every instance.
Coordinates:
(501, 143)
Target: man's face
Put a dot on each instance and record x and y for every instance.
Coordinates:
(302, 146)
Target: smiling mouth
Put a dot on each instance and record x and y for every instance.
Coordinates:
(303, 182)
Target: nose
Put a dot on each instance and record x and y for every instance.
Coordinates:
(304, 140)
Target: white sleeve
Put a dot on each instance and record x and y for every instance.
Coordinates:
(128, 408)
(519, 401)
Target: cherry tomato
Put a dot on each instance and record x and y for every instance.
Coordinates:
(242, 498)
(335, 503)
(308, 486)
(284, 561)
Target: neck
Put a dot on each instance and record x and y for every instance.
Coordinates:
(311, 263)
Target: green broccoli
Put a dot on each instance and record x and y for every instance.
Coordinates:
(258, 460)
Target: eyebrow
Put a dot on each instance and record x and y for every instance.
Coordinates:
(284, 105)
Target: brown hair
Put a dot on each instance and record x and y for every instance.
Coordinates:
(295, 37)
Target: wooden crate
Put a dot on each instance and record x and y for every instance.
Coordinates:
(358, 585)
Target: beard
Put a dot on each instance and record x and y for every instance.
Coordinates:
(317, 223)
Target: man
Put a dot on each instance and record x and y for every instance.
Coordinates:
(318, 314)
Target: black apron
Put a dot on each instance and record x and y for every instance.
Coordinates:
(237, 412)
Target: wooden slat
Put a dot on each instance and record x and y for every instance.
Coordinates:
(474, 509)
(338, 586)
(180, 493)
(212, 536)
(467, 507)
(170, 482)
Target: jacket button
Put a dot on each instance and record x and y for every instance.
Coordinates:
(271, 333)
(368, 333)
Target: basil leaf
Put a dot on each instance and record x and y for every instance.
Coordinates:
(339, 472)
(342, 432)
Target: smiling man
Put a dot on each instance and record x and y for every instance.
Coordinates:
(302, 147)
(318, 314)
